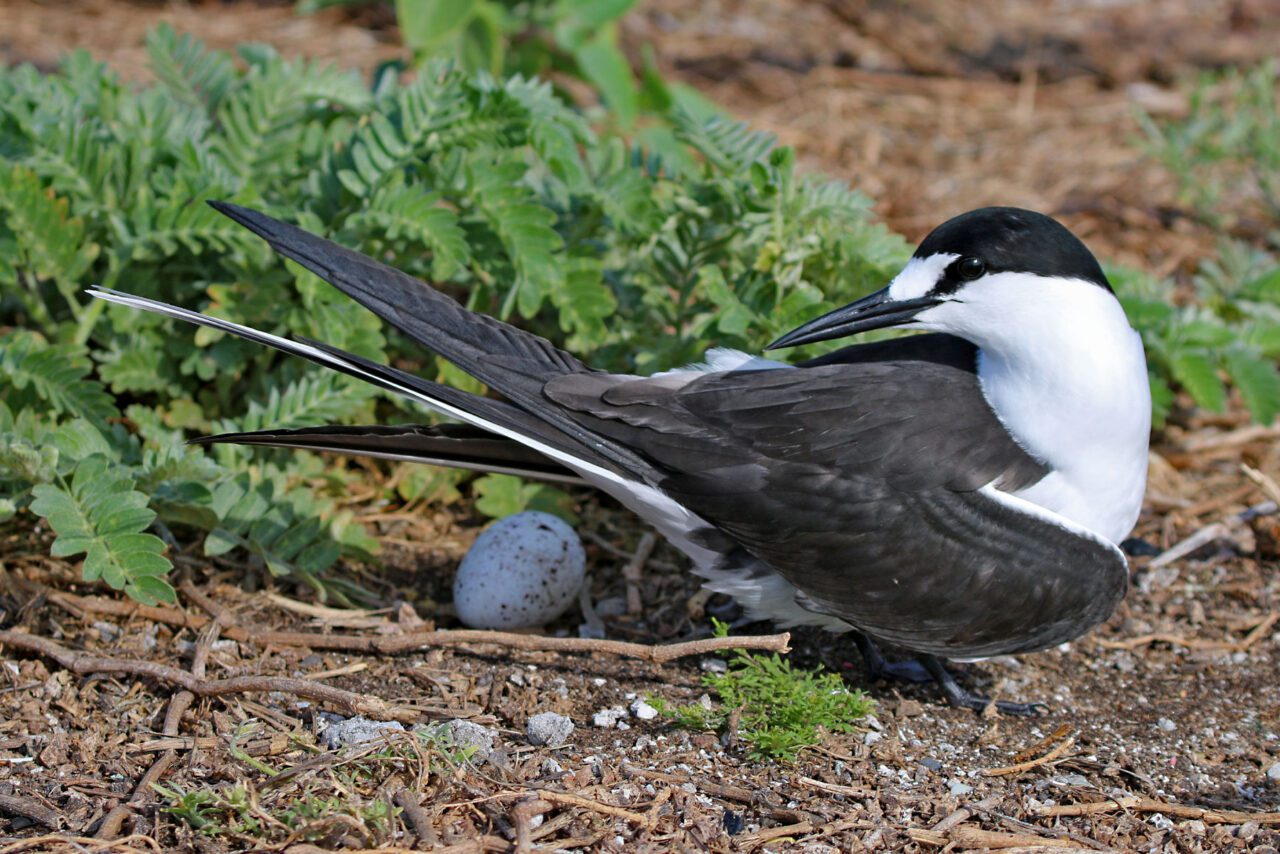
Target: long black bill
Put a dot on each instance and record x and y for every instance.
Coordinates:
(871, 312)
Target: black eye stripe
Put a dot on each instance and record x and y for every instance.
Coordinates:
(955, 276)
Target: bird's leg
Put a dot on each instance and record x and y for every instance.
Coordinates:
(1138, 547)
(880, 668)
(964, 699)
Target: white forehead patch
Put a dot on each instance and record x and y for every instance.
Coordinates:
(919, 276)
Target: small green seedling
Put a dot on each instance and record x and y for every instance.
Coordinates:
(782, 709)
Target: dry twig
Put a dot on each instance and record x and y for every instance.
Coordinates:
(1033, 763)
(1255, 634)
(1138, 803)
(30, 808)
(83, 663)
(408, 642)
(632, 573)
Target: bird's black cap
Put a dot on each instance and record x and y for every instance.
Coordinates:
(1013, 240)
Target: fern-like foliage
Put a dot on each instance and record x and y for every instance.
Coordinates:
(37, 374)
(100, 514)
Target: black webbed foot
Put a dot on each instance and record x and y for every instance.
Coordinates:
(962, 698)
(878, 667)
(1138, 547)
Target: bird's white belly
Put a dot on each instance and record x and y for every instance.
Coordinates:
(1109, 509)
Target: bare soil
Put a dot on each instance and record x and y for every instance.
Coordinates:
(1172, 709)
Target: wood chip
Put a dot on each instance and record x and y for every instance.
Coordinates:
(1034, 763)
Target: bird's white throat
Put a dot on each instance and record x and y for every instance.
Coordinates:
(1067, 376)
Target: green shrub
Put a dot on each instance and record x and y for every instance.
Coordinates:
(493, 189)
(1225, 156)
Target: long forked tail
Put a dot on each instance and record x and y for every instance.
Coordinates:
(550, 450)
(515, 363)
(511, 361)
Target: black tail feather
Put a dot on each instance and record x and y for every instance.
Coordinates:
(451, 445)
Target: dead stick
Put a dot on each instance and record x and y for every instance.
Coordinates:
(32, 809)
(1255, 634)
(78, 662)
(632, 573)
(565, 799)
(81, 843)
(1034, 763)
(1141, 804)
(415, 641)
(416, 816)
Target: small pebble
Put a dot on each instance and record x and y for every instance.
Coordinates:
(958, 789)
(714, 665)
(871, 738)
(931, 763)
(548, 728)
(1166, 725)
(1273, 773)
(909, 709)
(643, 710)
(608, 718)
(550, 767)
(613, 606)
(356, 730)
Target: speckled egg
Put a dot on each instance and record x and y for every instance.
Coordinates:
(525, 570)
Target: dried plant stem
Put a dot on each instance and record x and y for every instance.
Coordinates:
(83, 663)
(1141, 804)
(415, 641)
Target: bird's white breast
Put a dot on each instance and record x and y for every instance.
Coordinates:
(1067, 376)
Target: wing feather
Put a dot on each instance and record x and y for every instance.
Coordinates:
(867, 485)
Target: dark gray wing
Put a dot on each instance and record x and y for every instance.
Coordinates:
(862, 483)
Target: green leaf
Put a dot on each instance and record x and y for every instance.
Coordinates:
(32, 370)
(425, 25)
(1197, 372)
(607, 69)
(102, 515)
(1265, 287)
(501, 495)
(1258, 382)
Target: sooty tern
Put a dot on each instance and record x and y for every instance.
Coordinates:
(959, 494)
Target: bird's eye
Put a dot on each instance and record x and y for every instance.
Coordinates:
(971, 268)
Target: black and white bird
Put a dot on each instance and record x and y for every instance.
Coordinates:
(959, 494)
